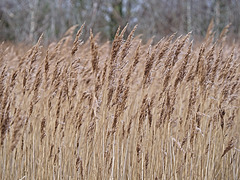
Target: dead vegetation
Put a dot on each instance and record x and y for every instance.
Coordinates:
(126, 110)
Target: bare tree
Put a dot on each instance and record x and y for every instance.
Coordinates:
(189, 15)
(22, 20)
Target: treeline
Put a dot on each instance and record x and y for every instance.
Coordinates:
(26, 20)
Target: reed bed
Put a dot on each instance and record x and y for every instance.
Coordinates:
(120, 110)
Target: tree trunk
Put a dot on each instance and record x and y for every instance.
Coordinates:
(217, 19)
(32, 6)
(115, 17)
(189, 16)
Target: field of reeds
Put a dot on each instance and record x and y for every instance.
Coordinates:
(121, 110)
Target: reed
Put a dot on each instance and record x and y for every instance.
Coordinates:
(121, 110)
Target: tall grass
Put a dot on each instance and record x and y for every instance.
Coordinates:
(126, 110)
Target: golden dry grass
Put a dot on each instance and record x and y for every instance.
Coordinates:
(124, 110)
